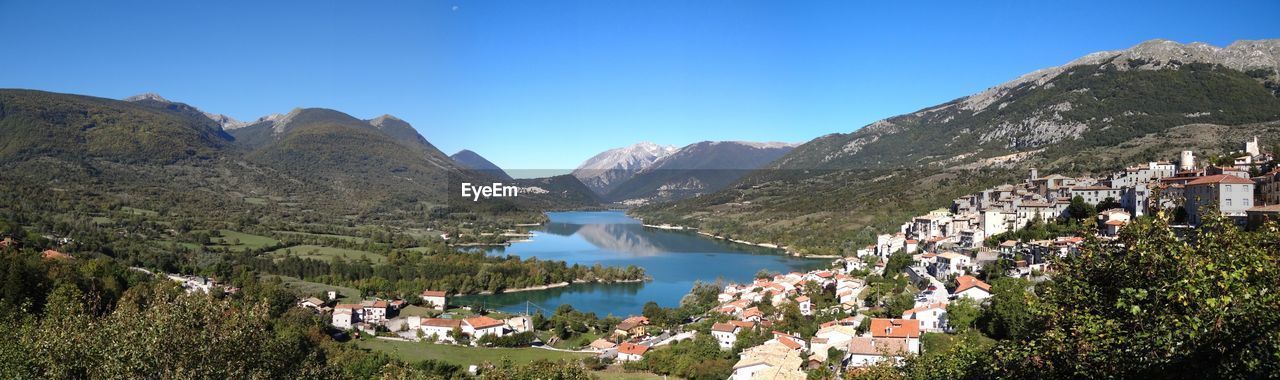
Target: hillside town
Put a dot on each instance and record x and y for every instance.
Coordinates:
(951, 253)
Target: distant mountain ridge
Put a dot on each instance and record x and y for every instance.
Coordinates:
(606, 171)
(334, 164)
(1076, 118)
(474, 161)
(696, 169)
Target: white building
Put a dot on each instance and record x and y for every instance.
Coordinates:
(973, 288)
(374, 311)
(346, 315)
(479, 326)
(629, 352)
(726, 334)
(932, 317)
(435, 299)
(806, 306)
(439, 328)
(1229, 194)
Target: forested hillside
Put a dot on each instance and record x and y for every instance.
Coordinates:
(1099, 114)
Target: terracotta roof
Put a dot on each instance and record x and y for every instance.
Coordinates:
(52, 254)
(802, 299)
(743, 324)
(632, 349)
(878, 346)
(1115, 222)
(965, 282)
(752, 312)
(723, 327)
(790, 343)
(441, 322)
(433, 293)
(481, 322)
(1220, 178)
(895, 328)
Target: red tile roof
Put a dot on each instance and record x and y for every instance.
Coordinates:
(895, 328)
(723, 327)
(1220, 178)
(482, 322)
(790, 343)
(441, 322)
(965, 282)
(433, 293)
(632, 349)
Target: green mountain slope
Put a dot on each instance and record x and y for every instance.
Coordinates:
(45, 124)
(1099, 113)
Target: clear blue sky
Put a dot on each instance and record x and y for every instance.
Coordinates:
(546, 84)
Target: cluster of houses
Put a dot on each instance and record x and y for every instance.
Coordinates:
(1135, 190)
(369, 316)
(787, 355)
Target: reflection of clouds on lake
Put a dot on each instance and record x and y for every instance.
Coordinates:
(621, 238)
(674, 259)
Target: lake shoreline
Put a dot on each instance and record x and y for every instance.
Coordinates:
(553, 286)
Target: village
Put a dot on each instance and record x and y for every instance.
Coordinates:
(951, 252)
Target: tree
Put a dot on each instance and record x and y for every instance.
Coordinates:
(1079, 209)
(656, 314)
(1010, 315)
(1108, 204)
(962, 313)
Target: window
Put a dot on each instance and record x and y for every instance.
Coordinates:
(1228, 202)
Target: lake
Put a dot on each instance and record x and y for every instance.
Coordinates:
(674, 259)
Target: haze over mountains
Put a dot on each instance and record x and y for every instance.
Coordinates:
(1097, 113)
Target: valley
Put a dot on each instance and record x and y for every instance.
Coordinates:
(1009, 233)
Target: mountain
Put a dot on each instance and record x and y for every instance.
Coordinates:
(311, 164)
(605, 171)
(697, 169)
(1092, 115)
(474, 161)
(155, 100)
(37, 124)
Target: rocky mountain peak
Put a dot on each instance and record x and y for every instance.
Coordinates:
(147, 96)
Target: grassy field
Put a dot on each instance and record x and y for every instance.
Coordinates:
(255, 201)
(328, 253)
(461, 355)
(139, 211)
(167, 243)
(246, 241)
(102, 220)
(353, 239)
(345, 295)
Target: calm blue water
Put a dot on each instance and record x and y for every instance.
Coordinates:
(675, 259)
